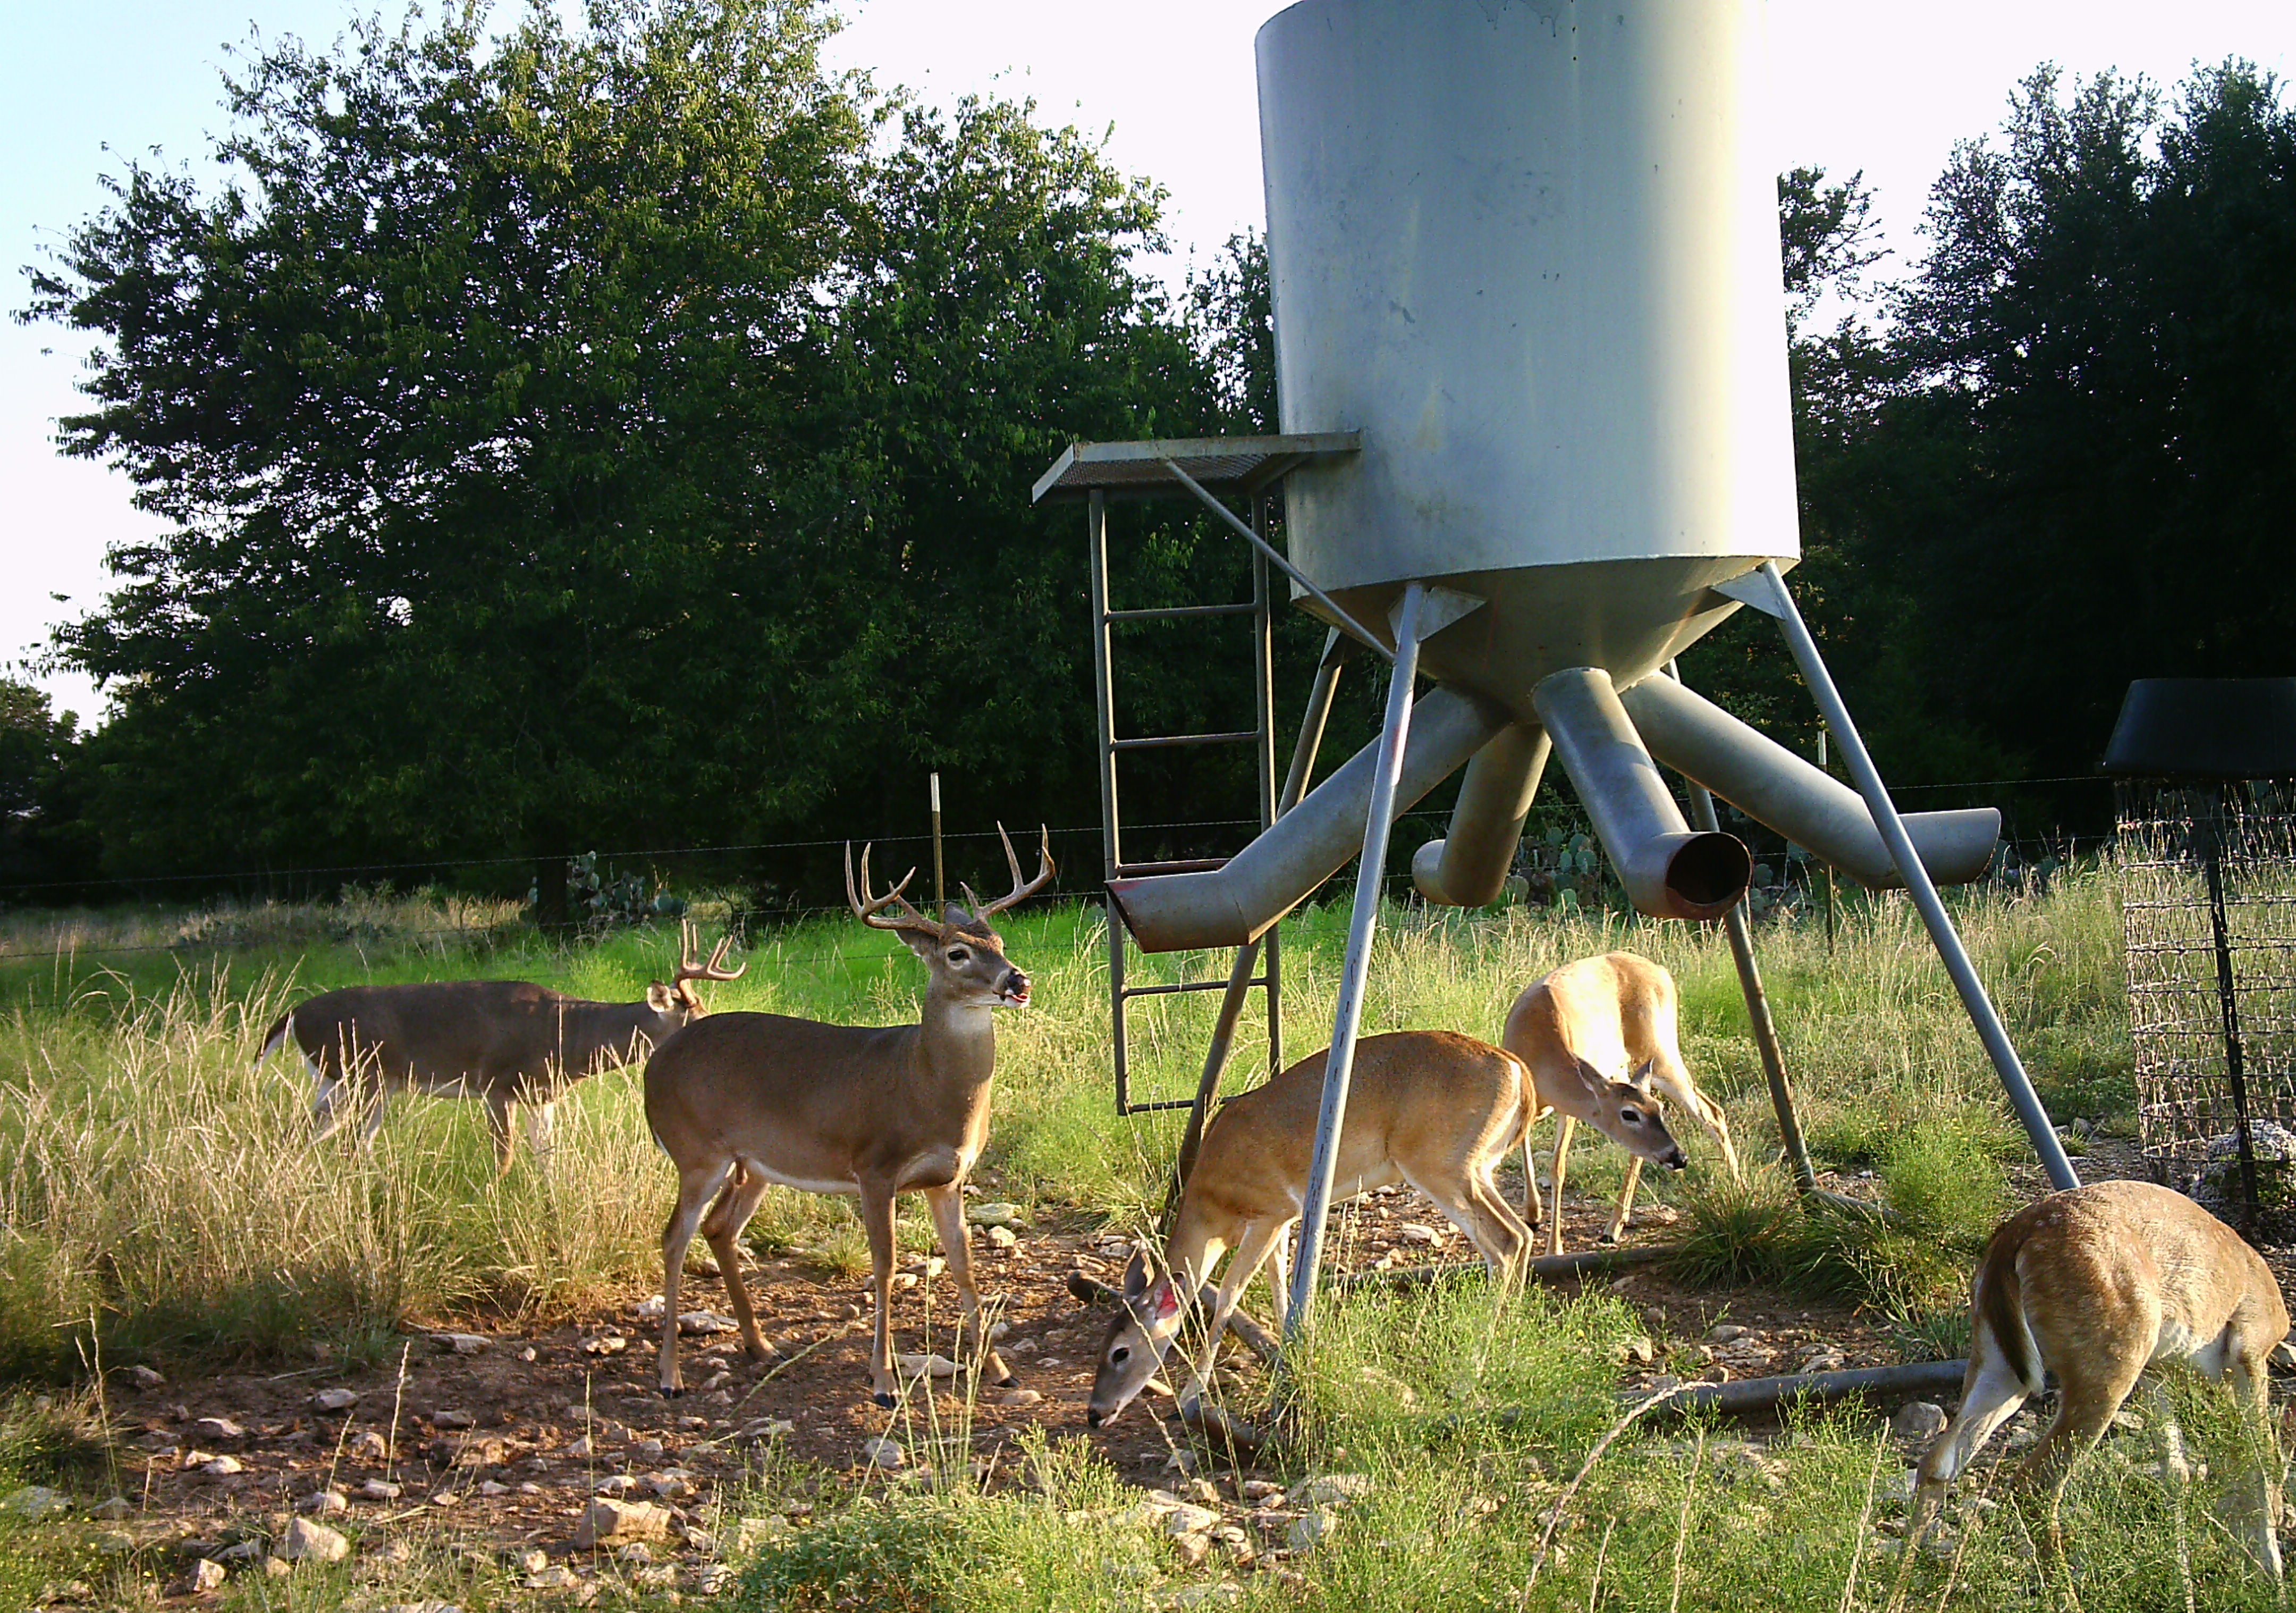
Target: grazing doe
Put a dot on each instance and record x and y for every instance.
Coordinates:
(742, 1101)
(1600, 1039)
(1429, 1107)
(2098, 1285)
(502, 1041)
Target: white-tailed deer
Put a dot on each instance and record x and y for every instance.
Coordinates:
(1600, 1039)
(1429, 1107)
(2098, 1285)
(742, 1101)
(502, 1041)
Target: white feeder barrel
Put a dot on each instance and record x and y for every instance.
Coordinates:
(1532, 252)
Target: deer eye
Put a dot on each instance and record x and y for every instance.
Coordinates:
(1633, 1117)
(959, 955)
(1119, 1355)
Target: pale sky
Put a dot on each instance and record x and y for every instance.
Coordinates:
(1886, 88)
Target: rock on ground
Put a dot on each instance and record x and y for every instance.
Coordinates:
(621, 1521)
(309, 1542)
(883, 1453)
(1919, 1420)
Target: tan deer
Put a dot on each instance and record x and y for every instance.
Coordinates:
(743, 1101)
(2098, 1286)
(1599, 1037)
(1429, 1107)
(502, 1041)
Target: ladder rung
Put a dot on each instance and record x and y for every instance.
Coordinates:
(1165, 741)
(1172, 1103)
(1173, 612)
(1182, 865)
(1188, 985)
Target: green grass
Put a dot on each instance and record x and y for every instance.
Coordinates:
(161, 1200)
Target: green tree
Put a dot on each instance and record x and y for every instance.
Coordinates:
(46, 841)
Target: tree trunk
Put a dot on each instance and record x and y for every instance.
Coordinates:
(550, 915)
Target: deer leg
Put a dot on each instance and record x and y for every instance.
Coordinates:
(1625, 1213)
(541, 1123)
(948, 1206)
(722, 1228)
(501, 1106)
(1259, 1240)
(1533, 1212)
(1493, 1229)
(1564, 1126)
(2256, 1492)
(696, 1187)
(327, 1108)
(371, 1102)
(1279, 1270)
(2086, 1399)
(877, 1217)
(1991, 1391)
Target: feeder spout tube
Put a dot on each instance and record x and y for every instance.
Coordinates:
(1468, 867)
(1810, 808)
(1238, 903)
(1669, 872)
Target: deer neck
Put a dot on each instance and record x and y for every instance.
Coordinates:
(956, 1045)
(591, 1033)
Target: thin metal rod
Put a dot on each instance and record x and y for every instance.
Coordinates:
(1181, 613)
(1355, 628)
(1163, 742)
(1111, 840)
(1735, 923)
(1990, 1030)
(1174, 989)
(940, 884)
(1339, 1063)
(1240, 980)
(2228, 1002)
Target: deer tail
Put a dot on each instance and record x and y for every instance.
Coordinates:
(1999, 1310)
(281, 1028)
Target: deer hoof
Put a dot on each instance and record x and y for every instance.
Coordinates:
(1008, 1382)
(671, 1391)
(884, 1400)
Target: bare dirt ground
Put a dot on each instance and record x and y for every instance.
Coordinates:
(501, 1445)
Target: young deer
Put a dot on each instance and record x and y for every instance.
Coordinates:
(1613, 1013)
(2098, 1285)
(504, 1041)
(742, 1101)
(1429, 1107)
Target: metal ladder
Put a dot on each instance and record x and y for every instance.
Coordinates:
(1262, 735)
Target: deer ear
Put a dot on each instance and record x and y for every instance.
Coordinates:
(1136, 1275)
(1164, 1304)
(1640, 1079)
(660, 998)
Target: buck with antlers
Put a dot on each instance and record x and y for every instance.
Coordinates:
(1429, 1107)
(1600, 1039)
(502, 1041)
(742, 1101)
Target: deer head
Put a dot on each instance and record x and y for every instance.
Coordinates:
(679, 1000)
(965, 955)
(1137, 1340)
(1626, 1112)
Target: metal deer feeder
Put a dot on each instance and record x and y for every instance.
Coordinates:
(2205, 772)
(1531, 365)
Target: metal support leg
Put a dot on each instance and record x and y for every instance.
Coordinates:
(1773, 600)
(1339, 1065)
(1239, 979)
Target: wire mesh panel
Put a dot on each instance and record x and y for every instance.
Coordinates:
(2208, 892)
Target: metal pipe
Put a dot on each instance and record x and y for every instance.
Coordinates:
(1273, 875)
(1339, 1063)
(1538, 1268)
(1468, 867)
(1774, 787)
(1356, 629)
(940, 884)
(1750, 1396)
(1926, 900)
(2228, 1004)
(1669, 871)
(1239, 978)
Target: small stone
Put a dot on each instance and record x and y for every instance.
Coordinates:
(999, 1215)
(1414, 1233)
(221, 1430)
(1716, 1373)
(606, 1344)
(245, 1550)
(379, 1489)
(884, 1453)
(529, 1561)
(453, 1420)
(308, 1542)
(636, 1554)
(222, 1467)
(115, 1543)
(614, 1483)
(621, 1521)
(1192, 1549)
(713, 1577)
(582, 1448)
(1015, 1397)
(1639, 1350)
(1331, 1490)
(925, 1366)
(207, 1574)
(1724, 1332)
(672, 1483)
(1827, 1360)
(110, 1511)
(334, 1400)
(1186, 1518)
(655, 1576)
(706, 1321)
(648, 1450)
(651, 1308)
(319, 1503)
(1310, 1530)
(277, 1567)
(145, 1380)
(557, 1576)
(461, 1344)
(528, 1353)
(1261, 1489)
(370, 1446)
(1918, 1419)
(489, 1487)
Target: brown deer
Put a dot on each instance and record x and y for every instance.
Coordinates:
(1600, 1039)
(502, 1041)
(1429, 1107)
(742, 1101)
(2100, 1285)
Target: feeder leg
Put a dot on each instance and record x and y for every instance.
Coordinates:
(1772, 599)
(1339, 1063)
(1239, 977)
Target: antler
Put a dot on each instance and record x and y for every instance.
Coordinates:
(870, 910)
(1021, 889)
(689, 944)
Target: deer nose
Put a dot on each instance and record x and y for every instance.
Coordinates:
(1015, 987)
(1677, 1160)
